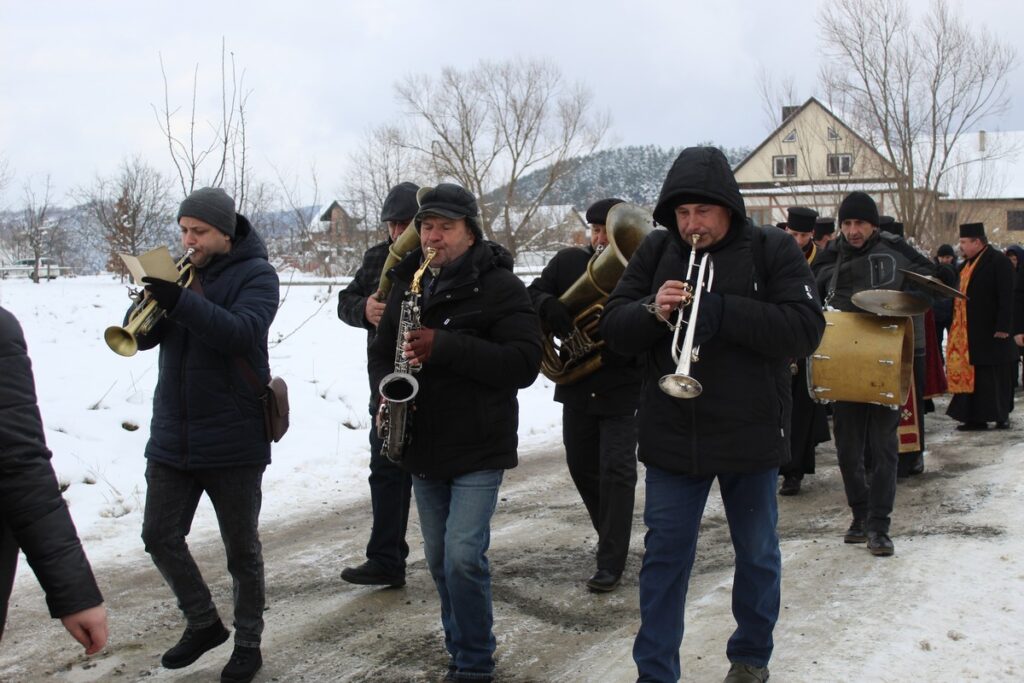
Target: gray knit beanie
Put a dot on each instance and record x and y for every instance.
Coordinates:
(211, 205)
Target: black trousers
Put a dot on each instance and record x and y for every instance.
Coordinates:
(859, 427)
(601, 454)
(390, 494)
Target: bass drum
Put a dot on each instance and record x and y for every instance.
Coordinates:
(863, 358)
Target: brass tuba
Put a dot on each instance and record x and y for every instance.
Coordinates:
(569, 360)
(145, 314)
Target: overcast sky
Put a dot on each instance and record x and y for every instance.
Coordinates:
(78, 80)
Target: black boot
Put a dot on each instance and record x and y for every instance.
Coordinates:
(856, 533)
(243, 665)
(194, 644)
(370, 573)
(790, 485)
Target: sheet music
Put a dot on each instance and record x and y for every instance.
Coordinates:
(154, 263)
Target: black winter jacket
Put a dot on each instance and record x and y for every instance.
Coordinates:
(205, 413)
(613, 389)
(770, 314)
(33, 515)
(352, 299)
(487, 345)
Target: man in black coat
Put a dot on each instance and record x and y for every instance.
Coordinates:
(862, 258)
(761, 311)
(33, 515)
(360, 305)
(207, 434)
(476, 343)
(809, 424)
(598, 411)
(980, 355)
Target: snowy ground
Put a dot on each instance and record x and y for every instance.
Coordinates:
(948, 607)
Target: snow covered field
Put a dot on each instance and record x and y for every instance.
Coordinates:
(96, 406)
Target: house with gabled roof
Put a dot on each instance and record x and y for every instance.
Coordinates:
(813, 159)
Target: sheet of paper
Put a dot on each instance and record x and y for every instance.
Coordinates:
(154, 263)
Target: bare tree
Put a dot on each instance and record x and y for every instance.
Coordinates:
(913, 90)
(217, 156)
(489, 126)
(133, 211)
(34, 229)
(383, 160)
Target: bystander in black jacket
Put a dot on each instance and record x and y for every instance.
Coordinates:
(205, 412)
(770, 314)
(614, 389)
(487, 346)
(33, 515)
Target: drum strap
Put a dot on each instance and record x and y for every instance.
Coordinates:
(834, 280)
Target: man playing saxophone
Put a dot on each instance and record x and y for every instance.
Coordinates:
(759, 311)
(477, 344)
(598, 411)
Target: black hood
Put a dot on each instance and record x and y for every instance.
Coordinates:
(705, 172)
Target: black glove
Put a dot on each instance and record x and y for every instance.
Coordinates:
(709, 317)
(555, 317)
(166, 294)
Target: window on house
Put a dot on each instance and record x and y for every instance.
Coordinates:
(948, 220)
(832, 134)
(840, 164)
(1015, 220)
(784, 166)
(790, 137)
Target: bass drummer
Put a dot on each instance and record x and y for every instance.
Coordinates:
(860, 260)
(598, 411)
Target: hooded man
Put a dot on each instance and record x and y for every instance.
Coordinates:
(760, 312)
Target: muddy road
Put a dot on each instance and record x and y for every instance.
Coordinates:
(549, 628)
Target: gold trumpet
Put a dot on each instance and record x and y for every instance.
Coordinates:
(145, 314)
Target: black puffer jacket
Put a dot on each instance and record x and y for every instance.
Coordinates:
(33, 515)
(205, 413)
(770, 314)
(487, 345)
(613, 389)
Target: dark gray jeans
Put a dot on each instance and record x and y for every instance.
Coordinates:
(865, 425)
(171, 499)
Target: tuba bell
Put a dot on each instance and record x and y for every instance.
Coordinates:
(569, 360)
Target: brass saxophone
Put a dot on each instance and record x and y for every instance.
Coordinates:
(400, 387)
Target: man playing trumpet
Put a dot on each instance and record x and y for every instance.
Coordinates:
(207, 433)
(598, 412)
(760, 310)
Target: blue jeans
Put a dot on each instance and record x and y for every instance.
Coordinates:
(171, 499)
(674, 507)
(390, 494)
(455, 517)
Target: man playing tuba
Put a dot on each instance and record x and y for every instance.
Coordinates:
(598, 411)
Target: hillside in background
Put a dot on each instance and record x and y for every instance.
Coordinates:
(632, 173)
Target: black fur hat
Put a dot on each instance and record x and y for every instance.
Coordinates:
(597, 213)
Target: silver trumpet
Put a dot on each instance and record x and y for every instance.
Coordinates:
(681, 384)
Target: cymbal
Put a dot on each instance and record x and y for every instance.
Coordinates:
(890, 302)
(934, 284)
